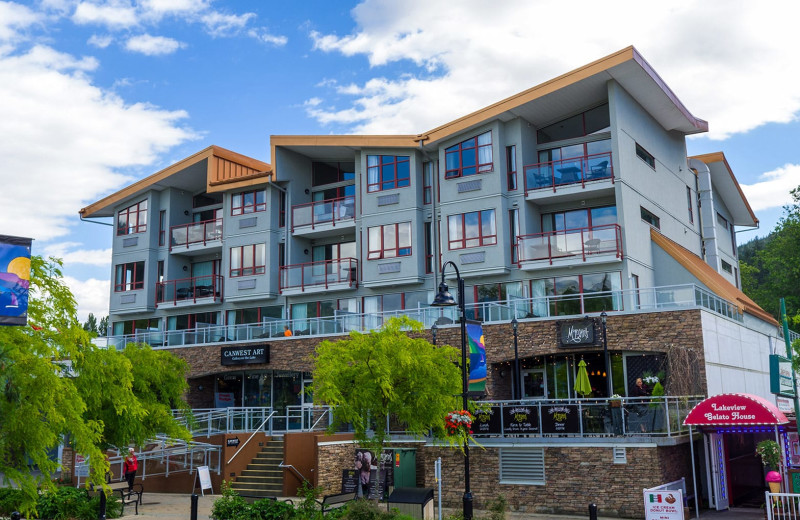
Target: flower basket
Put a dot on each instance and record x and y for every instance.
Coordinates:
(458, 425)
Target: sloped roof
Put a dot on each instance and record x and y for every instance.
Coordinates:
(709, 277)
(727, 186)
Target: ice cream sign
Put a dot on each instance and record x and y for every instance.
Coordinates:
(663, 505)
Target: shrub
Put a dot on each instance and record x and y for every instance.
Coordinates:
(10, 500)
(231, 506)
(66, 503)
(368, 510)
(497, 508)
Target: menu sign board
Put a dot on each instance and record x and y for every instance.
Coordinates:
(521, 420)
(561, 419)
(577, 332)
(663, 505)
(487, 422)
(350, 481)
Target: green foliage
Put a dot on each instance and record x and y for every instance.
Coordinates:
(497, 508)
(272, 510)
(90, 325)
(308, 506)
(770, 454)
(368, 376)
(230, 506)
(10, 500)
(770, 267)
(369, 510)
(55, 384)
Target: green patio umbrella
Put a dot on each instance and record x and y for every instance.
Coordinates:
(582, 384)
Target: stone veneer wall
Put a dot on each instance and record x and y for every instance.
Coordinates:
(644, 332)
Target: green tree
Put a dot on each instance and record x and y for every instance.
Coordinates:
(90, 325)
(369, 376)
(55, 384)
(102, 327)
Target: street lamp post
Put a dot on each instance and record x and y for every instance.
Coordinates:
(445, 299)
(609, 388)
(434, 330)
(516, 386)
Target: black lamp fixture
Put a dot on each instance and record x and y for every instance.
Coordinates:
(516, 387)
(445, 299)
(609, 388)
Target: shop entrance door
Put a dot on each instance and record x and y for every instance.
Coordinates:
(534, 384)
(715, 465)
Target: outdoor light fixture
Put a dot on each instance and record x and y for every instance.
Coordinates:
(445, 299)
(434, 330)
(609, 389)
(516, 390)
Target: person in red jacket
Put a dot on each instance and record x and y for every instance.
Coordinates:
(129, 467)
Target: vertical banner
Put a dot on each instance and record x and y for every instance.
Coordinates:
(477, 357)
(15, 275)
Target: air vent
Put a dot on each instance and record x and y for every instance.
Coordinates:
(522, 466)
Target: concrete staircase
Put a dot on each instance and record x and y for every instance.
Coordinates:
(263, 477)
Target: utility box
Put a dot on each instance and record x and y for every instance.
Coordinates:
(412, 501)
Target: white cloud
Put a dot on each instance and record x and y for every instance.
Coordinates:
(772, 190)
(14, 17)
(117, 14)
(92, 295)
(264, 36)
(101, 42)
(153, 45)
(159, 8)
(71, 254)
(66, 141)
(220, 24)
(713, 53)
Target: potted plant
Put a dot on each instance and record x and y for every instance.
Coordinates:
(615, 401)
(770, 454)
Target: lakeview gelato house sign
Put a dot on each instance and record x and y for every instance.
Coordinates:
(245, 355)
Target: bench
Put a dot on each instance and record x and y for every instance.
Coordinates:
(330, 502)
(676, 485)
(126, 497)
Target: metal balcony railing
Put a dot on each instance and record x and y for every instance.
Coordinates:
(575, 170)
(570, 242)
(213, 421)
(204, 232)
(328, 211)
(189, 289)
(319, 274)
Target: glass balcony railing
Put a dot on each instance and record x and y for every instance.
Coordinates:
(319, 274)
(570, 242)
(331, 211)
(189, 289)
(652, 299)
(575, 170)
(195, 233)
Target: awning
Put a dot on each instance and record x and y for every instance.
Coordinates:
(735, 410)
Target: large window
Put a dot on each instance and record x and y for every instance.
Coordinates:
(469, 157)
(129, 277)
(248, 202)
(386, 172)
(134, 326)
(248, 260)
(191, 321)
(579, 218)
(474, 229)
(323, 173)
(586, 123)
(255, 315)
(428, 247)
(511, 167)
(132, 219)
(389, 241)
(577, 294)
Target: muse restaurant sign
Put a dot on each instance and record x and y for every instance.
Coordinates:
(249, 355)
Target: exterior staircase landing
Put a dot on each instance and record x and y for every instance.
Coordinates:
(263, 476)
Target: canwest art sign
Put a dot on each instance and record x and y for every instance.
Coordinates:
(251, 354)
(579, 332)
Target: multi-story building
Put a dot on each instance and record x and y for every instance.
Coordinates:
(569, 199)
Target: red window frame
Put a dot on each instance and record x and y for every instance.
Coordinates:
(162, 227)
(396, 180)
(382, 251)
(136, 213)
(457, 152)
(428, 232)
(483, 240)
(513, 225)
(511, 167)
(252, 268)
(241, 207)
(121, 281)
(428, 172)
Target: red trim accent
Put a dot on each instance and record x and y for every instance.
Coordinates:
(196, 233)
(340, 210)
(574, 170)
(374, 187)
(247, 270)
(556, 244)
(317, 274)
(253, 207)
(458, 151)
(735, 410)
(185, 289)
(382, 250)
(484, 240)
(136, 211)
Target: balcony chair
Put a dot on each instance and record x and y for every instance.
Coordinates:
(599, 170)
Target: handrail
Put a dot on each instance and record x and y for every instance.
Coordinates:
(589, 167)
(297, 472)
(547, 245)
(211, 231)
(252, 435)
(340, 208)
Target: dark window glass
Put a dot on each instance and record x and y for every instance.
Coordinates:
(645, 156)
(206, 199)
(579, 125)
(650, 218)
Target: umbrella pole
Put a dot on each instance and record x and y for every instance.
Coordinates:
(694, 474)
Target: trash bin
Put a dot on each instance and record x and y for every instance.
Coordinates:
(415, 502)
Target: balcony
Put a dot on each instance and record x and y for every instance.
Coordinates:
(590, 244)
(324, 217)
(567, 176)
(325, 276)
(190, 291)
(197, 237)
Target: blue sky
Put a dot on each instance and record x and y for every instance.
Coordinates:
(95, 94)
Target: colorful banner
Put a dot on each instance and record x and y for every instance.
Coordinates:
(477, 357)
(15, 275)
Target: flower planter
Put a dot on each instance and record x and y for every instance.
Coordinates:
(616, 404)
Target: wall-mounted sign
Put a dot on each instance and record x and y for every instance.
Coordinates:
(576, 332)
(232, 442)
(487, 422)
(520, 420)
(560, 419)
(249, 355)
(780, 376)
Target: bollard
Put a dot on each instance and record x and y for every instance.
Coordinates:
(193, 515)
(592, 511)
(15, 515)
(101, 511)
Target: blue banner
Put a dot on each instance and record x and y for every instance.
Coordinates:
(477, 358)
(15, 275)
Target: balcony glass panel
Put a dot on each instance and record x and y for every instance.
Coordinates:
(328, 211)
(559, 172)
(196, 233)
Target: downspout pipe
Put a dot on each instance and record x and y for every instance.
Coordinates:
(708, 215)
